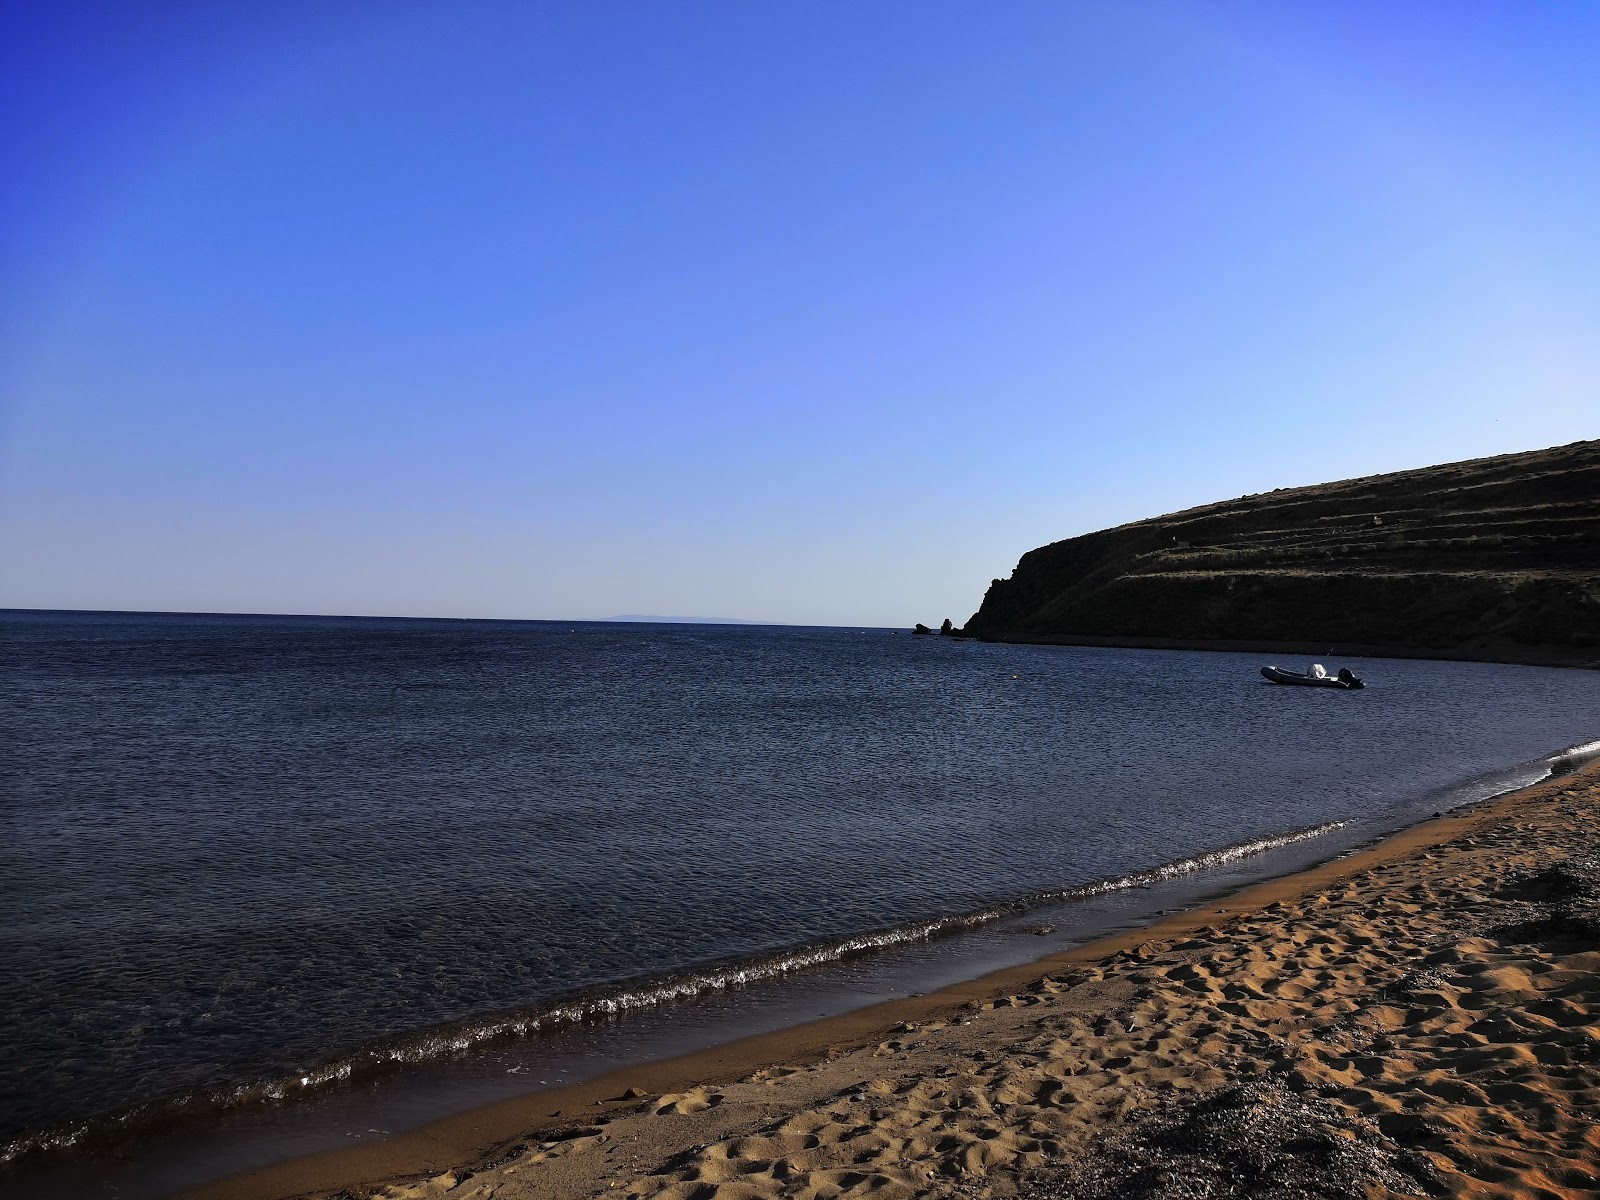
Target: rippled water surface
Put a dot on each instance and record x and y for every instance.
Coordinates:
(241, 847)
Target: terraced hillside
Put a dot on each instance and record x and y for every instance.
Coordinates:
(1494, 554)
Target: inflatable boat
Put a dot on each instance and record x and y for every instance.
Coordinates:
(1317, 676)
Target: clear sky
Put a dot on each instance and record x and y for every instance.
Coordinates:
(791, 310)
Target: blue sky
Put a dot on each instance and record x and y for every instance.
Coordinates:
(812, 312)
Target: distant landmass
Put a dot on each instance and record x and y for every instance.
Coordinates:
(1494, 557)
(688, 620)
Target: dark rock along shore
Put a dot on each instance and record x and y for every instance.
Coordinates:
(1491, 553)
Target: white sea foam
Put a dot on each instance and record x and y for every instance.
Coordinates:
(1187, 866)
(1574, 757)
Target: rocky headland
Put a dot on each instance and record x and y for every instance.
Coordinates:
(1490, 558)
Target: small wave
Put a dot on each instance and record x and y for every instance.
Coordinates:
(476, 1034)
(1573, 757)
(1210, 860)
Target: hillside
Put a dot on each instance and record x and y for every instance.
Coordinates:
(1491, 557)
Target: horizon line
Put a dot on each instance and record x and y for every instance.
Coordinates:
(614, 620)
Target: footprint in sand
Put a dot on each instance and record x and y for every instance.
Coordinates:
(695, 1100)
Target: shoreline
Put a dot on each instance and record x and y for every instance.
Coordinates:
(473, 1141)
(1179, 883)
(1527, 656)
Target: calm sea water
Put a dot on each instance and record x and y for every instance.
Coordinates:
(244, 852)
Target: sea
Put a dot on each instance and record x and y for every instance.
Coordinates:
(270, 883)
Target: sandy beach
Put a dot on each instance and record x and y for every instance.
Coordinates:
(1419, 1018)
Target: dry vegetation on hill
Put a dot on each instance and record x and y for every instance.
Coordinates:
(1494, 553)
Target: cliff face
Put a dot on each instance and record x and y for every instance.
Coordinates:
(1493, 552)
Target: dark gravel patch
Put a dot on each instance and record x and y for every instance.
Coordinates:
(1252, 1141)
(1575, 878)
(1567, 894)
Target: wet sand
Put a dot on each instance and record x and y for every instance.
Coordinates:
(1422, 1017)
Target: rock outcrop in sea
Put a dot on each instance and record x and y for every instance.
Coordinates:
(1493, 554)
